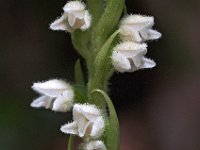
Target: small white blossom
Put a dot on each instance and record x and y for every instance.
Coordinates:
(95, 145)
(138, 28)
(129, 57)
(75, 16)
(88, 121)
(56, 95)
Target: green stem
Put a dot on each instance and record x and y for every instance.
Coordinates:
(79, 78)
(96, 10)
(107, 23)
(80, 41)
(70, 145)
(102, 69)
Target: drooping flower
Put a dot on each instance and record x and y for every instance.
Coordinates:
(138, 28)
(55, 94)
(75, 16)
(129, 57)
(88, 121)
(95, 145)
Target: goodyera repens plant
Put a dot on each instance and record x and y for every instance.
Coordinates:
(108, 40)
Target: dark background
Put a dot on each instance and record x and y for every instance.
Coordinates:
(159, 109)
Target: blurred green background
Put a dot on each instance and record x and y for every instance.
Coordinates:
(159, 109)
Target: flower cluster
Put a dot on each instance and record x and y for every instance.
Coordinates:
(88, 119)
(58, 95)
(128, 56)
(95, 45)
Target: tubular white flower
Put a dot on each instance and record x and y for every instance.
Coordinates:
(129, 57)
(56, 95)
(138, 28)
(95, 145)
(88, 121)
(75, 16)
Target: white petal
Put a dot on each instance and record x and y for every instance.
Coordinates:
(84, 127)
(76, 20)
(138, 57)
(80, 20)
(137, 22)
(87, 20)
(153, 34)
(64, 102)
(126, 33)
(95, 145)
(148, 63)
(61, 24)
(136, 37)
(74, 6)
(71, 19)
(98, 127)
(52, 88)
(130, 46)
(91, 112)
(129, 33)
(137, 60)
(70, 128)
(120, 63)
(43, 101)
(149, 34)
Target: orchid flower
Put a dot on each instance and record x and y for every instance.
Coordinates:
(55, 94)
(129, 57)
(88, 121)
(75, 16)
(138, 28)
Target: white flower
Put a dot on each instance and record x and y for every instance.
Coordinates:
(95, 145)
(75, 16)
(88, 121)
(56, 95)
(138, 28)
(129, 57)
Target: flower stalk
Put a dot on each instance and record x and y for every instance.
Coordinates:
(107, 43)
